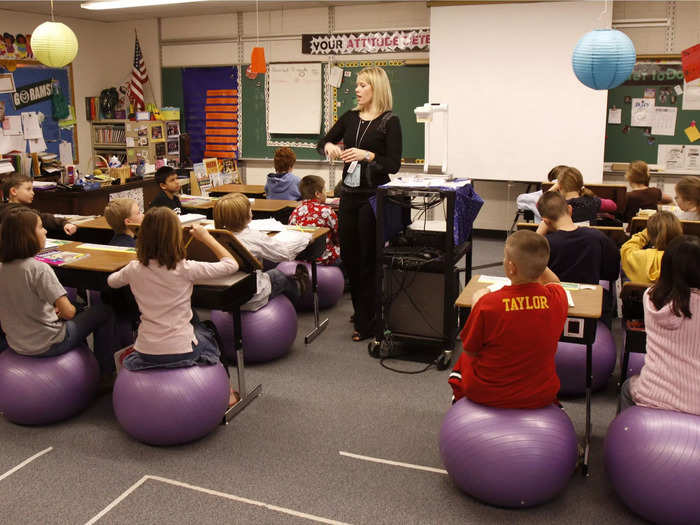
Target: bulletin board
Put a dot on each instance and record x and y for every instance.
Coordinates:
(27, 74)
(626, 143)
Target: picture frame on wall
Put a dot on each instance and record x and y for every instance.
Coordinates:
(173, 147)
(172, 129)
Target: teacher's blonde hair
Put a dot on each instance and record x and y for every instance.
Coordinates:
(381, 88)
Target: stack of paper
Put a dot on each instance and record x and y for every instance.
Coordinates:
(266, 225)
(191, 217)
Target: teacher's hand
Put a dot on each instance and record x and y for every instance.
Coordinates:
(332, 151)
(352, 154)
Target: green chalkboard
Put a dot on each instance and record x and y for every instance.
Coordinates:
(409, 88)
(171, 81)
(624, 143)
(254, 135)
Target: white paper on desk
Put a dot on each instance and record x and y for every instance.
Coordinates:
(671, 156)
(495, 286)
(569, 298)
(691, 95)
(65, 152)
(293, 236)
(37, 145)
(30, 123)
(494, 279)
(664, 121)
(615, 116)
(266, 225)
(191, 217)
(643, 111)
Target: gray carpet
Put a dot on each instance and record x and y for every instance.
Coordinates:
(283, 450)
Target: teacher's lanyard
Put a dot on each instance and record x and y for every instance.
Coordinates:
(357, 133)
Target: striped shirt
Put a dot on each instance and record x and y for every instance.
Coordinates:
(669, 378)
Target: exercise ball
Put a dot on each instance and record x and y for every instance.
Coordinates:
(653, 460)
(508, 457)
(635, 363)
(604, 58)
(268, 333)
(570, 361)
(41, 390)
(331, 284)
(170, 406)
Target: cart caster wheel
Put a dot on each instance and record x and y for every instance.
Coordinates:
(444, 360)
(374, 347)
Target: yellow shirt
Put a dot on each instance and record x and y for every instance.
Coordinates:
(640, 265)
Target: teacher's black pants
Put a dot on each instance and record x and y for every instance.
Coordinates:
(357, 232)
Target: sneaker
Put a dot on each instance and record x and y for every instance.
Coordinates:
(301, 275)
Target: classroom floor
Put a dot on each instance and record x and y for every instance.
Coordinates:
(282, 459)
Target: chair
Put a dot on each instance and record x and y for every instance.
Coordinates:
(633, 323)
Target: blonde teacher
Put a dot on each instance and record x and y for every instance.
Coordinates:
(371, 150)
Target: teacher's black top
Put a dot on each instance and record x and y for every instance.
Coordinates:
(381, 136)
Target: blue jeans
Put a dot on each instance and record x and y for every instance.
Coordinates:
(97, 320)
(281, 283)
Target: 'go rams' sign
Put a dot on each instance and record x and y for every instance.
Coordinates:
(33, 93)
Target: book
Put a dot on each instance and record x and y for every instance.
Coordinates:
(107, 248)
(56, 257)
(52, 243)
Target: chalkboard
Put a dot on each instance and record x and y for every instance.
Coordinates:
(171, 80)
(409, 89)
(624, 143)
(30, 74)
(253, 123)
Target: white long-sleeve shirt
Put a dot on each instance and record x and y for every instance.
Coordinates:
(164, 298)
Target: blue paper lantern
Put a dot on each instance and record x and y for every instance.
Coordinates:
(604, 58)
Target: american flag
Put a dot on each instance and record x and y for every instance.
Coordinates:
(139, 77)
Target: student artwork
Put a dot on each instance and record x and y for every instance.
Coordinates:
(142, 131)
(143, 141)
(16, 46)
(56, 257)
(160, 149)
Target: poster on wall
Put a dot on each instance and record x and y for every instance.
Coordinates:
(395, 41)
(294, 86)
(15, 46)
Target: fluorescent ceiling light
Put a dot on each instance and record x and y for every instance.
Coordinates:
(121, 4)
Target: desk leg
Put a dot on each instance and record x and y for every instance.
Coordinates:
(319, 327)
(246, 397)
(589, 382)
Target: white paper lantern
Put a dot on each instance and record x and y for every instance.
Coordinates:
(54, 44)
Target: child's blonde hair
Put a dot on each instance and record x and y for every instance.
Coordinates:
(529, 252)
(116, 212)
(160, 238)
(570, 179)
(638, 172)
(689, 189)
(663, 227)
(232, 212)
(381, 88)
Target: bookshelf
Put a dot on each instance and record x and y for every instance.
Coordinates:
(108, 138)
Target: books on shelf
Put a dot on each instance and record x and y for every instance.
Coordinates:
(56, 257)
(107, 134)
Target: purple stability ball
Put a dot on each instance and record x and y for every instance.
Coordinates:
(570, 361)
(42, 390)
(653, 460)
(508, 457)
(331, 284)
(268, 333)
(170, 406)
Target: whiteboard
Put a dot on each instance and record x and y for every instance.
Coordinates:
(294, 98)
(516, 109)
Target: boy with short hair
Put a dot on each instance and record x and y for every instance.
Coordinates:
(312, 212)
(511, 335)
(123, 216)
(19, 192)
(576, 254)
(166, 177)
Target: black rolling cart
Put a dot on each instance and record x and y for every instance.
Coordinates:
(417, 275)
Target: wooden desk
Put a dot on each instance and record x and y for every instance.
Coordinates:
(89, 202)
(616, 233)
(252, 190)
(614, 192)
(226, 293)
(639, 222)
(580, 328)
(261, 207)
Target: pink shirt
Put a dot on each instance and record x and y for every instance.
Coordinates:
(164, 298)
(669, 377)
